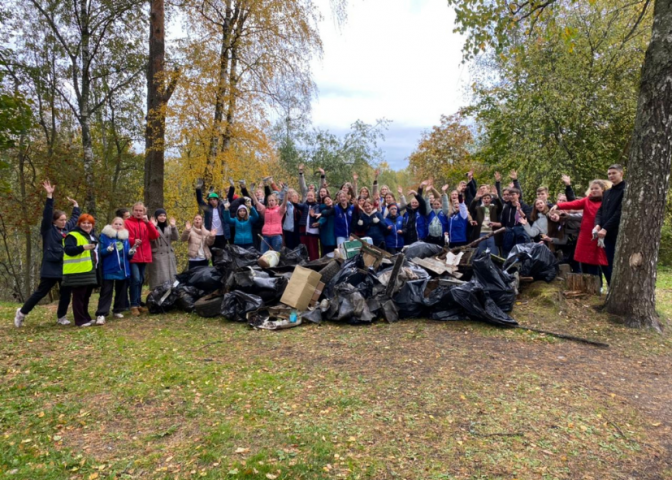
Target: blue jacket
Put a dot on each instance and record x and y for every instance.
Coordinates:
(394, 239)
(457, 226)
(244, 234)
(376, 230)
(207, 213)
(116, 265)
(343, 221)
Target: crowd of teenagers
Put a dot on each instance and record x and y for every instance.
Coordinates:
(119, 257)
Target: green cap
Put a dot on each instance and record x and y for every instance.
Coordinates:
(212, 195)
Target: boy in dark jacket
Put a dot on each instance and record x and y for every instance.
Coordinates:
(396, 229)
(608, 217)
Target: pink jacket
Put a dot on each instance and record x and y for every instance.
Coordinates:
(272, 219)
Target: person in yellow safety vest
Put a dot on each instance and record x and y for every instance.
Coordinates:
(80, 267)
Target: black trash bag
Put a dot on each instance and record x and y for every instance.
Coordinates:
(258, 282)
(440, 299)
(421, 250)
(236, 305)
(348, 305)
(494, 281)
(207, 279)
(451, 315)
(233, 257)
(162, 299)
(353, 271)
(186, 297)
(479, 306)
(314, 315)
(533, 260)
(410, 299)
(294, 257)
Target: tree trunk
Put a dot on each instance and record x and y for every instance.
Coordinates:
(633, 290)
(157, 98)
(85, 110)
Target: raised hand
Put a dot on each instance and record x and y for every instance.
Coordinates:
(376, 172)
(199, 183)
(145, 219)
(424, 183)
(301, 168)
(513, 175)
(566, 180)
(321, 171)
(470, 174)
(187, 226)
(49, 188)
(498, 177)
(172, 222)
(400, 190)
(355, 177)
(413, 192)
(73, 201)
(444, 189)
(153, 220)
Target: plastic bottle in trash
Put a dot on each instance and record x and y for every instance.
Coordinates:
(292, 316)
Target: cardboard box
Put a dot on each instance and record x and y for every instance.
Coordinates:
(317, 294)
(301, 288)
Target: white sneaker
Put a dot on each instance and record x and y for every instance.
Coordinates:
(63, 321)
(100, 320)
(87, 324)
(118, 315)
(18, 318)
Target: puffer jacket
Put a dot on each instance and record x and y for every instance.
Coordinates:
(198, 237)
(116, 264)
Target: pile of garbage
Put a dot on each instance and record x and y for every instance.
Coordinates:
(280, 290)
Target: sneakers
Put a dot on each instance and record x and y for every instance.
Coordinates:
(63, 321)
(100, 320)
(143, 309)
(87, 324)
(118, 315)
(135, 311)
(19, 318)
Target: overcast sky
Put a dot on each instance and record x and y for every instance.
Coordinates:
(396, 59)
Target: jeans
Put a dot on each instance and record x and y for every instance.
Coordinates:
(137, 279)
(275, 241)
(488, 244)
(118, 287)
(610, 250)
(514, 236)
(43, 289)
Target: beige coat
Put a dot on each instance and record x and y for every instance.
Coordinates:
(164, 265)
(198, 238)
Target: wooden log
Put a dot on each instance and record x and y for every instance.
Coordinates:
(578, 282)
(564, 270)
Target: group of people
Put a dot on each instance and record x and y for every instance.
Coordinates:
(134, 246)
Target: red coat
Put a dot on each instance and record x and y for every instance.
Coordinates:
(587, 250)
(145, 231)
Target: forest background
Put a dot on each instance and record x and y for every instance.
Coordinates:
(113, 114)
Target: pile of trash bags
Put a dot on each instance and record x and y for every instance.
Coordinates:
(243, 286)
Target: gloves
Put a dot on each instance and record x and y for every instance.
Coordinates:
(375, 220)
(131, 252)
(360, 223)
(600, 242)
(199, 183)
(595, 230)
(110, 248)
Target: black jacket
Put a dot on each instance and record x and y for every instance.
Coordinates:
(609, 214)
(52, 241)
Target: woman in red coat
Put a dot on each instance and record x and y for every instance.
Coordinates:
(588, 253)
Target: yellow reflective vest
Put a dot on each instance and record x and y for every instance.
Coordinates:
(81, 263)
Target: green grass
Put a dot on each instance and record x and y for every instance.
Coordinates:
(178, 396)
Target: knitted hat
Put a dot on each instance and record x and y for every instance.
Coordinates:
(159, 211)
(243, 207)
